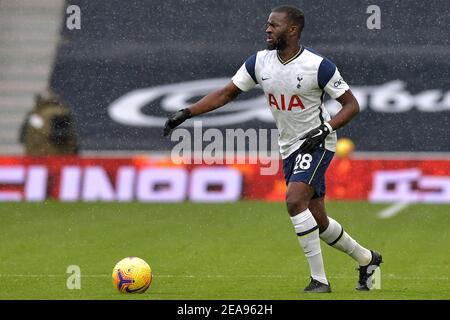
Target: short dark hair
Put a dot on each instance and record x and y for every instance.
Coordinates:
(294, 14)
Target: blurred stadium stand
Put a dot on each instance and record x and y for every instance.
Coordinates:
(162, 49)
(147, 44)
(29, 32)
(400, 72)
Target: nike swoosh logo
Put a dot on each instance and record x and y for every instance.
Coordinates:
(295, 172)
(316, 135)
(263, 79)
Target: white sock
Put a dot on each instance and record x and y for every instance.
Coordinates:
(336, 237)
(308, 235)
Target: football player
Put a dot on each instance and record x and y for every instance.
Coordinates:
(294, 80)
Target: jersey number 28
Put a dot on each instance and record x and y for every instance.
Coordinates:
(303, 161)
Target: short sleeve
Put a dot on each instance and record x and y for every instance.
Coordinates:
(330, 80)
(245, 78)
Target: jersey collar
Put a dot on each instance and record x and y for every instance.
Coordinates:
(291, 59)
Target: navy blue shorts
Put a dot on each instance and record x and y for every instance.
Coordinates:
(309, 168)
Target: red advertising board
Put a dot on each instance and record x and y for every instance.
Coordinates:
(159, 180)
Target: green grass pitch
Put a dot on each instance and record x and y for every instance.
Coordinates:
(244, 250)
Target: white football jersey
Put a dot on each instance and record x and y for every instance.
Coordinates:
(294, 90)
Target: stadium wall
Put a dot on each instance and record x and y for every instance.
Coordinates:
(129, 67)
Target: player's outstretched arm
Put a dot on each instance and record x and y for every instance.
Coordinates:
(215, 99)
(316, 136)
(212, 101)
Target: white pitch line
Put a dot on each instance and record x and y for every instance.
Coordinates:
(217, 276)
(51, 275)
(393, 210)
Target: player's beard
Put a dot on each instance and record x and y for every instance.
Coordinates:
(279, 44)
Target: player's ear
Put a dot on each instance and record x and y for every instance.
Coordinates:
(294, 30)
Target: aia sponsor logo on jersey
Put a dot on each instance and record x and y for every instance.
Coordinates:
(281, 102)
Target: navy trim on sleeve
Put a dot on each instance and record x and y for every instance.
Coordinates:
(326, 71)
(250, 66)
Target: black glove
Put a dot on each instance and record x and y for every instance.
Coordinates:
(176, 119)
(315, 138)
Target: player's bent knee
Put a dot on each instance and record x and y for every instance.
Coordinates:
(295, 204)
(298, 196)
